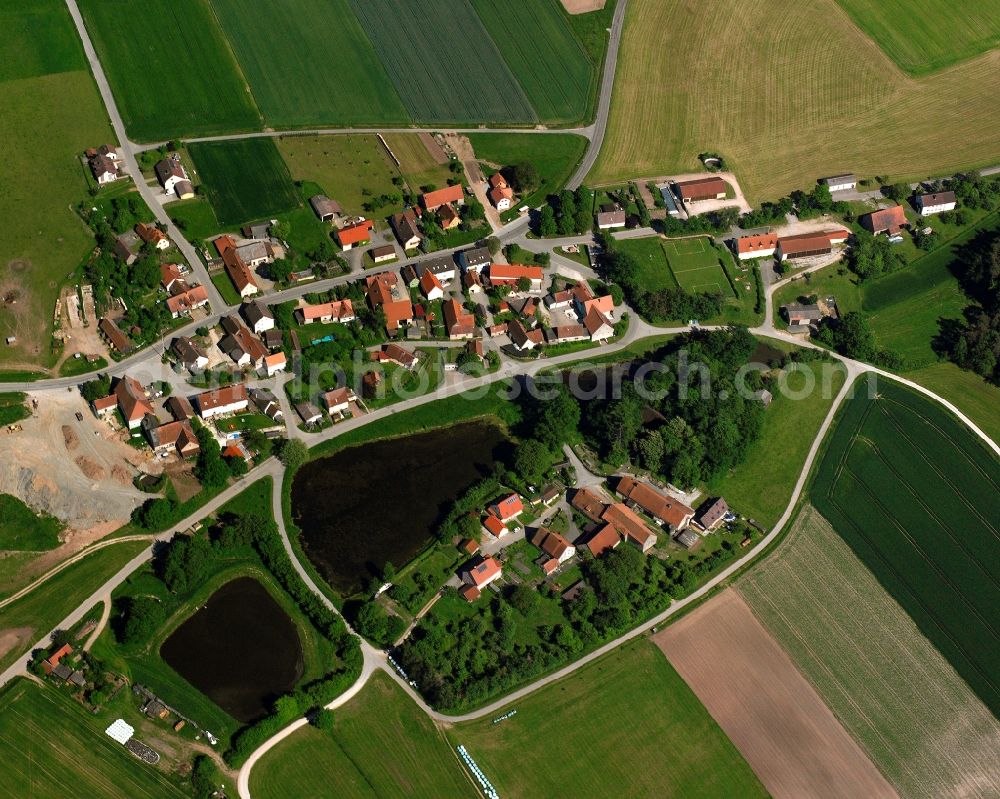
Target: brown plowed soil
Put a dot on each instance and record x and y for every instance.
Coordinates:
(94, 471)
(767, 708)
(70, 437)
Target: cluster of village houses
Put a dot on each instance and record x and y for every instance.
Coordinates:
(636, 517)
(884, 221)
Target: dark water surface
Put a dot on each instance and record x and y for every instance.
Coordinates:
(382, 501)
(240, 649)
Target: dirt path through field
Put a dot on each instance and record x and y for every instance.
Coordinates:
(767, 708)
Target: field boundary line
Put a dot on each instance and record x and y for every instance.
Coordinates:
(931, 615)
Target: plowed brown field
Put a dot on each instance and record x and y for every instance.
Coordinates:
(770, 712)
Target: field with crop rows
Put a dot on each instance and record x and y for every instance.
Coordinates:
(914, 493)
(442, 61)
(317, 65)
(52, 748)
(543, 53)
(765, 85)
(921, 37)
(928, 733)
(39, 39)
(245, 179)
(170, 67)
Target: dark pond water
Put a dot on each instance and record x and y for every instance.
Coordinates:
(240, 649)
(382, 501)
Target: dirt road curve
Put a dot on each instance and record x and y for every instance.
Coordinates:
(770, 712)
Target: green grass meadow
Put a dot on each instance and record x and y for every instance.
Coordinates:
(554, 155)
(41, 610)
(22, 529)
(245, 179)
(382, 745)
(562, 740)
(53, 747)
(442, 61)
(343, 167)
(543, 53)
(51, 112)
(695, 264)
(39, 39)
(170, 67)
(905, 308)
(914, 493)
(761, 486)
(309, 62)
(925, 36)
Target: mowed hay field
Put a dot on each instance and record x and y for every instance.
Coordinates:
(893, 691)
(444, 64)
(309, 61)
(383, 745)
(51, 112)
(787, 93)
(776, 719)
(929, 34)
(245, 179)
(52, 747)
(170, 67)
(625, 725)
(544, 53)
(343, 166)
(914, 493)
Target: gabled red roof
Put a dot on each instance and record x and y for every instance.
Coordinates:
(494, 525)
(354, 234)
(604, 539)
(514, 272)
(508, 507)
(756, 243)
(449, 194)
(429, 281)
(484, 571)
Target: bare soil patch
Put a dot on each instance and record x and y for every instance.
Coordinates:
(437, 153)
(14, 638)
(582, 6)
(70, 438)
(94, 471)
(186, 485)
(771, 713)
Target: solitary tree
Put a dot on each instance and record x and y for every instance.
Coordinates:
(293, 454)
